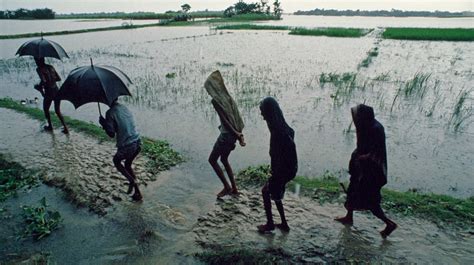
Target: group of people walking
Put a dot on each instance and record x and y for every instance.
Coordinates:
(367, 166)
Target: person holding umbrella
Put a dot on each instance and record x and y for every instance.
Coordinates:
(39, 49)
(48, 89)
(105, 84)
(119, 122)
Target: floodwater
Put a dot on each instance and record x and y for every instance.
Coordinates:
(14, 26)
(424, 152)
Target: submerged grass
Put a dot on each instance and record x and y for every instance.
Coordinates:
(438, 34)
(440, 209)
(159, 152)
(462, 111)
(330, 32)
(252, 27)
(14, 177)
(220, 255)
(368, 60)
(344, 83)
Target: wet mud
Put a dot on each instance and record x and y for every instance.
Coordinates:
(80, 165)
(315, 238)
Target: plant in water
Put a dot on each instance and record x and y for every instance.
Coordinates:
(462, 112)
(170, 75)
(344, 83)
(417, 86)
(13, 177)
(40, 221)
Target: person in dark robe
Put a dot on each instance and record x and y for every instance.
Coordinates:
(48, 89)
(284, 163)
(368, 169)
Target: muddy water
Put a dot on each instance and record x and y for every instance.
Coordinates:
(424, 153)
(314, 236)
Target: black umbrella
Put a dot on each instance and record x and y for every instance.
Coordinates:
(42, 48)
(94, 84)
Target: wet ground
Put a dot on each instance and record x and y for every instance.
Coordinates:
(174, 222)
(315, 238)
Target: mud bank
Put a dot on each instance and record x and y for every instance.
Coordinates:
(230, 228)
(80, 165)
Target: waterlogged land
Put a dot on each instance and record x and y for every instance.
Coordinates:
(421, 92)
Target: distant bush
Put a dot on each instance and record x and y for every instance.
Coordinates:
(21, 13)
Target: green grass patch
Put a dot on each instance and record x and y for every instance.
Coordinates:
(252, 27)
(436, 34)
(14, 177)
(331, 32)
(240, 256)
(40, 221)
(159, 152)
(440, 209)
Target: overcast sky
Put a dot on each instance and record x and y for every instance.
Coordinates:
(78, 6)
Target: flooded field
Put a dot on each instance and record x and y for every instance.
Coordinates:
(421, 91)
(427, 151)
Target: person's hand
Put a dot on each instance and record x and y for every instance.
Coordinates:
(241, 139)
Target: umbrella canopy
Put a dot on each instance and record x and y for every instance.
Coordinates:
(94, 84)
(42, 48)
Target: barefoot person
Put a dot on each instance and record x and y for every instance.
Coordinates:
(230, 131)
(48, 89)
(119, 122)
(284, 163)
(368, 169)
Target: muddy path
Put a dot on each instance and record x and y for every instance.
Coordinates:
(180, 216)
(316, 238)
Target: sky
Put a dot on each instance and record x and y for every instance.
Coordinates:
(88, 6)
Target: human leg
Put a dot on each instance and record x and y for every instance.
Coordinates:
(118, 164)
(348, 219)
(128, 168)
(283, 225)
(46, 105)
(230, 173)
(57, 109)
(390, 225)
(213, 157)
(267, 205)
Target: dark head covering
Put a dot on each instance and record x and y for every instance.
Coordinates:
(370, 139)
(284, 162)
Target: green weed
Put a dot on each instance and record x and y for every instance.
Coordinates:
(434, 34)
(14, 177)
(40, 221)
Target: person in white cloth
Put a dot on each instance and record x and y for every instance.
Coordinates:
(230, 131)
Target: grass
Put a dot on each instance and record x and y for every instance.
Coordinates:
(14, 177)
(462, 111)
(40, 221)
(240, 256)
(416, 86)
(159, 152)
(434, 34)
(440, 209)
(252, 27)
(368, 60)
(331, 32)
(344, 83)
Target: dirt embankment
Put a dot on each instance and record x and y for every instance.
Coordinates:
(80, 165)
(316, 238)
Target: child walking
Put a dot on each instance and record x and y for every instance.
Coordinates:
(284, 163)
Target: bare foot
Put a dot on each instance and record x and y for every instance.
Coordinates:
(266, 228)
(65, 130)
(235, 192)
(283, 227)
(388, 230)
(344, 220)
(48, 128)
(223, 193)
(137, 197)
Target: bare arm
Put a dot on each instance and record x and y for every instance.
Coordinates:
(226, 122)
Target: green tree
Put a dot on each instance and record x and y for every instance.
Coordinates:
(277, 9)
(186, 8)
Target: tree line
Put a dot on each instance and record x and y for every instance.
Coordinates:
(22, 13)
(262, 7)
(384, 13)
